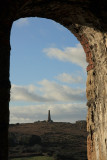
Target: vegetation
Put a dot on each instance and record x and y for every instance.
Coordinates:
(35, 158)
(63, 141)
(28, 140)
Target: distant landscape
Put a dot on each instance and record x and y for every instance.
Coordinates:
(48, 141)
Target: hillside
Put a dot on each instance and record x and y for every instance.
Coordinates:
(63, 141)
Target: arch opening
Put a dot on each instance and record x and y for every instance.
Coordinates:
(66, 91)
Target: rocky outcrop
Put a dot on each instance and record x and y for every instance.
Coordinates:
(87, 20)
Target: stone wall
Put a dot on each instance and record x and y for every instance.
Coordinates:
(97, 97)
(87, 20)
(94, 43)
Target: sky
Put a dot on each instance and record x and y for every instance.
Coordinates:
(47, 72)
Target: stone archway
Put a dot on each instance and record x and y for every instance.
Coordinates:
(88, 22)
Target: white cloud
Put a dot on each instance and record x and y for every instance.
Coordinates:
(75, 55)
(67, 78)
(25, 93)
(63, 93)
(47, 92)
(59, 112)
(22, 22)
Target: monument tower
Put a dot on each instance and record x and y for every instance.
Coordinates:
(49, 117)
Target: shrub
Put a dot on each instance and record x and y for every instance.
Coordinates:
(12, 140)
(35, 140)
(33, 149)
(29, 140)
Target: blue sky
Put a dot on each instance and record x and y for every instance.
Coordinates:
(47, 71)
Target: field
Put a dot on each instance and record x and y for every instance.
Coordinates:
(35, 158)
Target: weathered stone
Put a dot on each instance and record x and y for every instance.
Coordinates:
(87, 20)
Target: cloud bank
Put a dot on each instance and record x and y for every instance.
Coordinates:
(74, 55)
(67, 78)
(47, 91)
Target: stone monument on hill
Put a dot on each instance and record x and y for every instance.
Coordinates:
(49, 117)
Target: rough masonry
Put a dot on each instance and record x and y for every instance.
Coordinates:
(87, 20)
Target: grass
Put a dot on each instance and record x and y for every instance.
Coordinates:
(35, 158)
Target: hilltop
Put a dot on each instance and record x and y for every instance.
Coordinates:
(63, 141)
